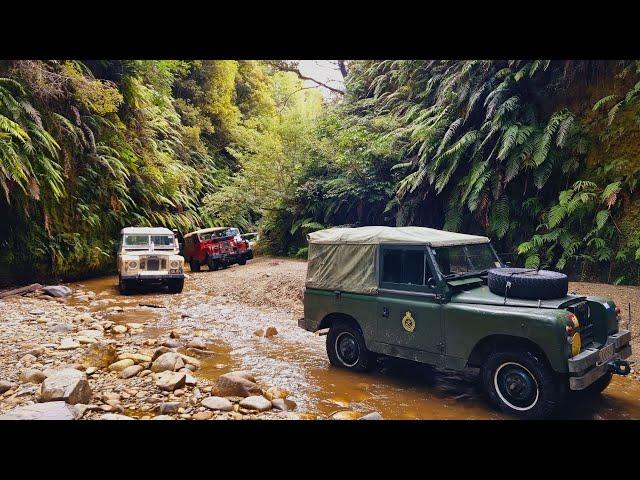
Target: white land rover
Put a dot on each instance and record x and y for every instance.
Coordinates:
(149, 255)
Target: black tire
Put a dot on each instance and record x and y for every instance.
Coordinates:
(528, 284)
(213, 264)
(194, 265)
(126, 287)
(522, 383)
(176, 286)
(346, 348)
(242, 261)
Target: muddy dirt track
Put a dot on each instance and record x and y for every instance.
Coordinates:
(227, 308)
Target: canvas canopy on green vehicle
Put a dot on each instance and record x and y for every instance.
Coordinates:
(345, 259)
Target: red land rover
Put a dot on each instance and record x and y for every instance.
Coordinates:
(216, 247)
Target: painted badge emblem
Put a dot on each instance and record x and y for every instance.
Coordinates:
(408, 322)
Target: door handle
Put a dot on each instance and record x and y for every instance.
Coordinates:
(385, 312)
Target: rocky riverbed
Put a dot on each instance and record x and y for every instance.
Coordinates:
(227, 348)
(75, 357)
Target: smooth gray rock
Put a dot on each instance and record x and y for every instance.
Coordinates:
(59, 291)
(131, 371)
(41, 411)
(217, 403)
(256, 402)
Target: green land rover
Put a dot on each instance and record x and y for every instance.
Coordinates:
(446, 299)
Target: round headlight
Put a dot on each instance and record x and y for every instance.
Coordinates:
(133, 264)
(174, 264)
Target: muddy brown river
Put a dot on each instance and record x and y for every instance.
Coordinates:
(296, 360)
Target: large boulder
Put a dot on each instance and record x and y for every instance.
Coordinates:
(68, 384)
(99, 355)
(42, 411)
(169, 361)
(59, 291)
(236, 384)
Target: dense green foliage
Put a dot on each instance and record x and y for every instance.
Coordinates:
(534, 154)
(88, 148)
(542, 156)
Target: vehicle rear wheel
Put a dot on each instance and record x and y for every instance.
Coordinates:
(176, 286)
(194, 265)
(126, 287)
(346, 348)
(522, 383)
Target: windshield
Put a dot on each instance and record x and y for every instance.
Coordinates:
(464, 259)
(144, 241)
(214, 235)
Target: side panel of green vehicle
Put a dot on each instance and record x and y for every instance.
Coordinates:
(447, 334)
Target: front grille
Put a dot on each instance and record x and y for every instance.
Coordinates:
(581, 310)
(153, 264)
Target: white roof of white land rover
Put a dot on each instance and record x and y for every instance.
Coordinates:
(377, 234)
(146, 231)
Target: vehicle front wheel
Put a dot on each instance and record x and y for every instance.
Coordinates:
(176, 286)
(522, 383)
(242, 261)
(194, 265)
(126, 287)
(346, 349)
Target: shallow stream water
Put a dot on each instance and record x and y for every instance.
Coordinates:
(296, 360)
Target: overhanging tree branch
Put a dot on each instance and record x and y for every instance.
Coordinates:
(285, 66)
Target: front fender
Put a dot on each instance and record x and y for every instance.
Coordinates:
(467, 325)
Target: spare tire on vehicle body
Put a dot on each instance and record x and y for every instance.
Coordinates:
(528, 284)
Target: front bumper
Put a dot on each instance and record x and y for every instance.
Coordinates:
(142, 278)
(591, 364)
(231, 257)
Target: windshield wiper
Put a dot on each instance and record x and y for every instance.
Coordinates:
(473, 273)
